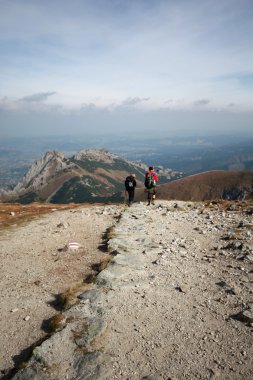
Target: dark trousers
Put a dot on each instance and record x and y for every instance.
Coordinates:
(130, 195)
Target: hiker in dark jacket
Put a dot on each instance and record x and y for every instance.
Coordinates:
(151, 179)
(130, 184)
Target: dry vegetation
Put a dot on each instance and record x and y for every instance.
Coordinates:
(202, 187)
(13, 214)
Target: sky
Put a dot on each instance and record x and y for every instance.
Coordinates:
(126, 66)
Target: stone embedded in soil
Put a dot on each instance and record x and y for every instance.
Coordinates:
(249, 257)
(31, 373)
(95, 328)
(245, 316)
(240, 257)
(63, 225)
(92, 295)
(93, 366)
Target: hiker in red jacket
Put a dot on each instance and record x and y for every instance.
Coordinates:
(151, 179)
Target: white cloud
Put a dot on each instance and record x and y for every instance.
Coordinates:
(123, 56)
(39, 97)
(202, 102)
(133, 101)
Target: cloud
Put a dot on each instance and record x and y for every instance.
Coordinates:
(31, 103)
(39, 97)
(113, 49)
(88, 106)
(133, 101)
(201, 102)
(121, 121)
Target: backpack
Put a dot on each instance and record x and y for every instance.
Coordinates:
(129, 183)
(150, 181)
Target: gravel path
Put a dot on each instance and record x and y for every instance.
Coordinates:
(174, 303)
(35, 268)
(169, 315)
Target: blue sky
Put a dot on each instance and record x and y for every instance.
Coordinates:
(70, 66)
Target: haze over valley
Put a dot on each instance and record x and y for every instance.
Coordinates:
(165, 83)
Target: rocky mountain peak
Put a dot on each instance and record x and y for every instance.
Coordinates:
(41, 170)
(52, 154)
(95, 155)
(89, 174)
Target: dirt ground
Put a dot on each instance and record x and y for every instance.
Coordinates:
(175, 302)
(36, 267)
(182, 307)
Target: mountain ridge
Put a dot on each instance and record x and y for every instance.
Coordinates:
(97, 175)
(216, 184)
(88, 176)
(50, 173)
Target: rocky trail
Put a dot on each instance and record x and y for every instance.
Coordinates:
(39, 273)
(175, 301)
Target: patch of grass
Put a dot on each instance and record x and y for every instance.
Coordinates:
(104, 263)
(90, 278)
(56, 322)
(20, 221)
(22, 365)
(70, 319)
(69, 297)
(110, 233)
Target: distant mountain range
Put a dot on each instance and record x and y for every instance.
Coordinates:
(98, 176)
(88, 176)
(182, 154)
(217, 184)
